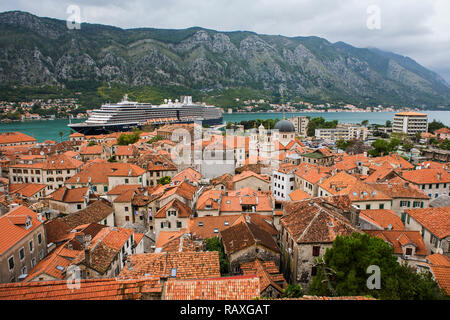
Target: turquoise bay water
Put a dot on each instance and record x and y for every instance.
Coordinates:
(49, 129)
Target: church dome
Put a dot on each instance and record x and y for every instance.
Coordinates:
(284, 126)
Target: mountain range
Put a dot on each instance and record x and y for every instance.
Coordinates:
(36, 51)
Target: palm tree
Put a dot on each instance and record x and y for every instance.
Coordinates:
(61, 135)
(364, 123)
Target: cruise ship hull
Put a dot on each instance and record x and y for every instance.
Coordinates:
(90, 129)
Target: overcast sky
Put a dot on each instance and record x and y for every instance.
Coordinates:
(419, 29)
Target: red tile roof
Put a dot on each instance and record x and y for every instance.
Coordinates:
(244, 235)
(26, 189)
(267, 272)
(427, 176)
(183, 210)
(399, 238)
(99, 172)
(15, 137)
(435, 220)
(318, 220)
(383, 218)
(96, 289)
(225, 288)
(64, 194)
(12, 227)
(188, 265)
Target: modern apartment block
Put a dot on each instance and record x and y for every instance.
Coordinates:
(410, 122)
(300, 125)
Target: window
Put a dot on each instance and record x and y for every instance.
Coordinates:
(126, 208)
(126, 180)
(105, 188)
(313, 271)
(31, 246)
(11, 263)
(21, 253)
(127, 218)
(39, 238)
(408, 251)
(408, 219)
(367, 206)
(24, 270)
(94, 188)
(79, 206)
(178, 224)
(381, 205)
(316, 251)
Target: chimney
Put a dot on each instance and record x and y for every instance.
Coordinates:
(439, 175)
(247, 219)
(87, 251)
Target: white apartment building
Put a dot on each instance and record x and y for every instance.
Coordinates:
(283, 182)
(410, 122)
(345, 132)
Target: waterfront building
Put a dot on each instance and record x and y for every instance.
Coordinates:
(410, 122)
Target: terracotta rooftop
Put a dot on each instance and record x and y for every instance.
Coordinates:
(400, 238)
(56, 230)
(244, 235)
(26, 189)
(183, 210)
(427, 176)
(225, 288)
(15, 137)
(184, 189)
(318, 220)
(93, 213)
(267, 272)
(400, 190)
(435, 220)
(95, 289)
(345, 184)
(13, 229)
(98, 172)
(187, 265)
(383, 218)
(187, 174)
(210, 226)
(68, 195)
(298, 194)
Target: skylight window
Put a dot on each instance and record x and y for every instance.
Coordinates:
(173, 272)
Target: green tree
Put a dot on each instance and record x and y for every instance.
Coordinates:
(344, 144)
(348, 260)
(435, 125)
(126, 139)
(319, 123)
(379, 147)
(154, 139)
(388, 123)
(215, 244)
(445, 145)
(365, 123)
(165, 180)
(293, 291)
(92, 143)
(61, 135)
(394, 143)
